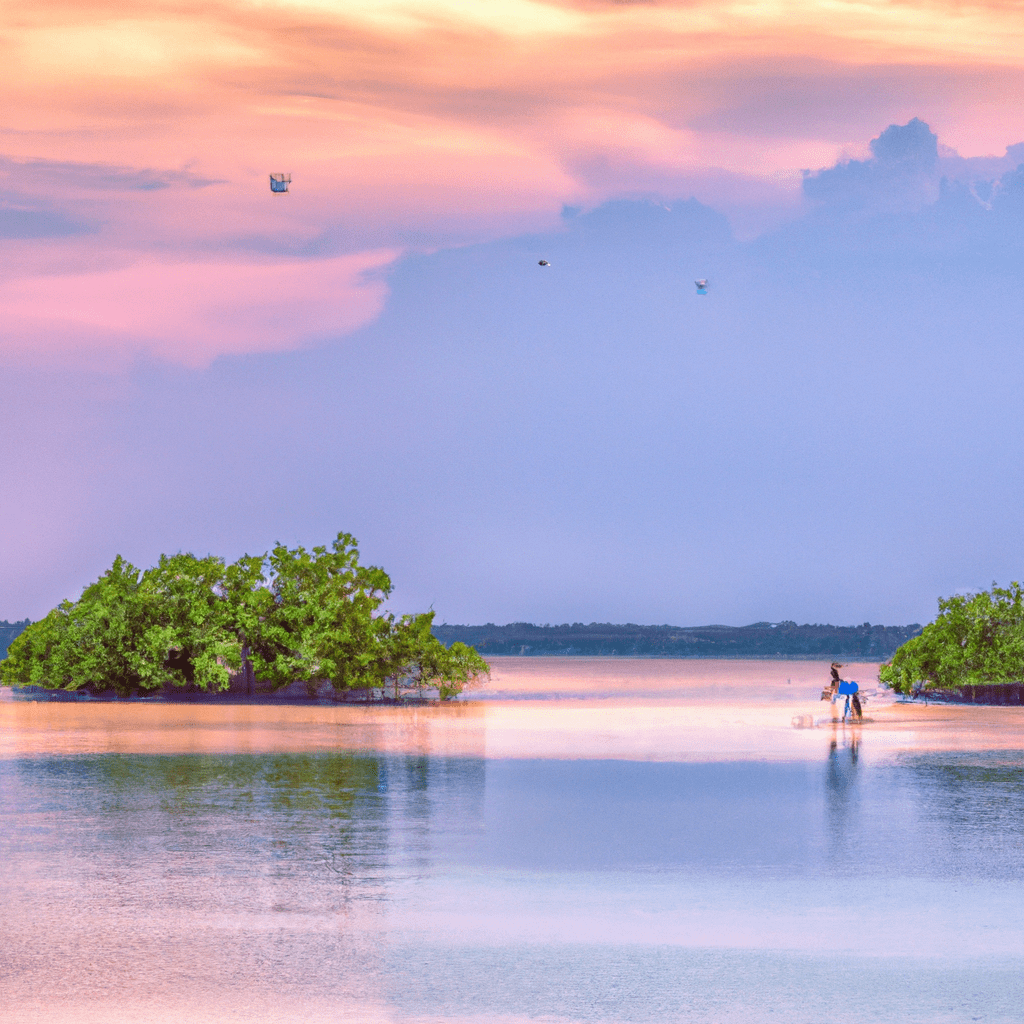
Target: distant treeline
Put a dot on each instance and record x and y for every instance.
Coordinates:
(760, 640)
(8, 631)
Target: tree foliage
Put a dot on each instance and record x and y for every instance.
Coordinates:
(976, 639)
(290, 615)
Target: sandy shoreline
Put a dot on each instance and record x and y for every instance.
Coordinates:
(591, 708)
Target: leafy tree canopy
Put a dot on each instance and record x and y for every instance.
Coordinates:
(976, 639)
(290, 615)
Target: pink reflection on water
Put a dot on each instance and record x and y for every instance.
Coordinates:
(635, 709)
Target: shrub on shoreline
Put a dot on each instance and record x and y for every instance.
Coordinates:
(976, 640)
(286, 616)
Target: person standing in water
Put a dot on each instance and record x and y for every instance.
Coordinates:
(831, 691)
(835, 676)
(852, 697)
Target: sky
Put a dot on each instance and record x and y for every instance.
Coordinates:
(190, 362)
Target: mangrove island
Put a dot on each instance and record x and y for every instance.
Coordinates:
(973, 652)
(257, 626)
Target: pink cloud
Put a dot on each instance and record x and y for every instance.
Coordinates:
(146, 138)
(188, 313)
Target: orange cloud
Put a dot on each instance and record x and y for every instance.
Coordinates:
(148, 131)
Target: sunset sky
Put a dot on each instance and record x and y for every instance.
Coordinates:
(188, 362)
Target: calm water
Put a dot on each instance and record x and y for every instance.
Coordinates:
(859, 879)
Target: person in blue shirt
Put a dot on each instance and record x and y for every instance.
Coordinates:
(849, 690)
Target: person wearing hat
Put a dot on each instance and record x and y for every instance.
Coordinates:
(830, 692)
(852, 699)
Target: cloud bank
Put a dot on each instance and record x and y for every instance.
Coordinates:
(831, 434)
(132, 141)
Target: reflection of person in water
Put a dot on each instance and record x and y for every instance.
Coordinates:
(851, 742)
(842, 771)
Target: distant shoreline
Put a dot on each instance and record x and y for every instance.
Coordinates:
(784, 640)
(868, 660)
(766, 640)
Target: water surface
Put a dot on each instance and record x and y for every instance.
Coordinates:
(562, 848)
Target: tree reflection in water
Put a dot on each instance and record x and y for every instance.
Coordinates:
(273, 830)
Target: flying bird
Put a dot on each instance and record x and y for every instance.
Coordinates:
(543, 263)
(702, 286)
(279, 182)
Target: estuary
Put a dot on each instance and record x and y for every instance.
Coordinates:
(581, 840)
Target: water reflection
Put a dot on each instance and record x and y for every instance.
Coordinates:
(240, 876)
(972, 807)
(842, 796)
(404, 888)
(281, 830)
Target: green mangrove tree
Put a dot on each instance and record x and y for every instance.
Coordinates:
(274, 619)
(976, 639)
